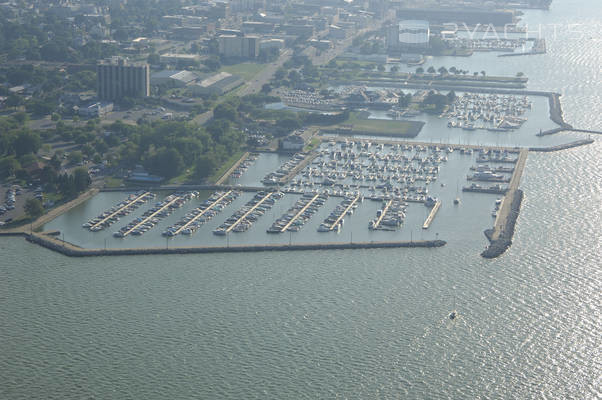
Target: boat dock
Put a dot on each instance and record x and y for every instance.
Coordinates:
(313, 199)
(349, 207)
(199, 215)
(238, 221)
(382, 214)
(431, 216)
(119, 210)
(151, 216)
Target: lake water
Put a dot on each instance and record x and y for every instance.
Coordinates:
(340, 324)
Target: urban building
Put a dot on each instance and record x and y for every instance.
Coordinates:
(117, 78)
(414, 34)
(238, 46)
(173, 78)
(93, 110)
(181, 60)
(217, 84)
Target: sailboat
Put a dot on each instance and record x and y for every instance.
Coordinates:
(454, 314)
(457, 199)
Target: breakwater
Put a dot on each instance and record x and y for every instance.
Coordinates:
(564, 146)
(71, 250)
(498, 246)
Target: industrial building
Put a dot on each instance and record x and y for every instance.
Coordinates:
(173, 78)
(117, 78)
(218, 84)
(414, 34)
(181, 60)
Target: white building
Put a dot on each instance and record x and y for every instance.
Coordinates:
(414, 34)
(173, 78)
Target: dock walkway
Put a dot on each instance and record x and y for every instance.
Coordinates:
(145, 220)
(129, 203)
(187, 224)
(431, 217)
(238, 221)
(300, 213)
(334, 225)
(382, 214)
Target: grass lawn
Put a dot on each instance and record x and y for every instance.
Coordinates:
(380, 127)
(246, 71)
(112, 182)
(225, 166)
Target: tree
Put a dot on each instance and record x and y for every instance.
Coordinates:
(166, 162)
(420, 70)
(224, 111)
(81, 179)
(34, 208)
(27, 142)
(380, 68)
(8, 166)
(395, 69)
(431, 70)
(75, 157)
(483, 73)
(205, 166)
(266, 88)
(442, 70)
(520, 74)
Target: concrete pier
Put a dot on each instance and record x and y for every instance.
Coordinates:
(431, 217)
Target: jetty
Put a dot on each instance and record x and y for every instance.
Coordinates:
(309, 203)
(506, 208)
(199, 215)
(245, 215)
(432, 214)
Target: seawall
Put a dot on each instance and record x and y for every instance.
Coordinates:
(564, 146)
(71, 250)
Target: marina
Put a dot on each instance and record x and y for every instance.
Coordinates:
(194, 219)
(122, 209)
(242, 220)
(336, 218)
(151, 217)
(297, 215)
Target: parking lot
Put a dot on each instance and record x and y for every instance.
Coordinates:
(7, 212)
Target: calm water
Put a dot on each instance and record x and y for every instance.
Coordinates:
(360, 324)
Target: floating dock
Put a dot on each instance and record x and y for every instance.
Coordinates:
(186, 225)
(382, 214)
(238, 221)
(300, 213)
(129, 204)
(334, 225)
(145, 220)
(431, 216)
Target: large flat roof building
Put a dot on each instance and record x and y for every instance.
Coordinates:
(117, 78)
(218, 84)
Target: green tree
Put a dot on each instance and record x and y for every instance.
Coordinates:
(27, 142)
(8, 166)
(205, 166)
(34, 208)
(81, 179)
(166, 162)
(420, 70)
(224, 111)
